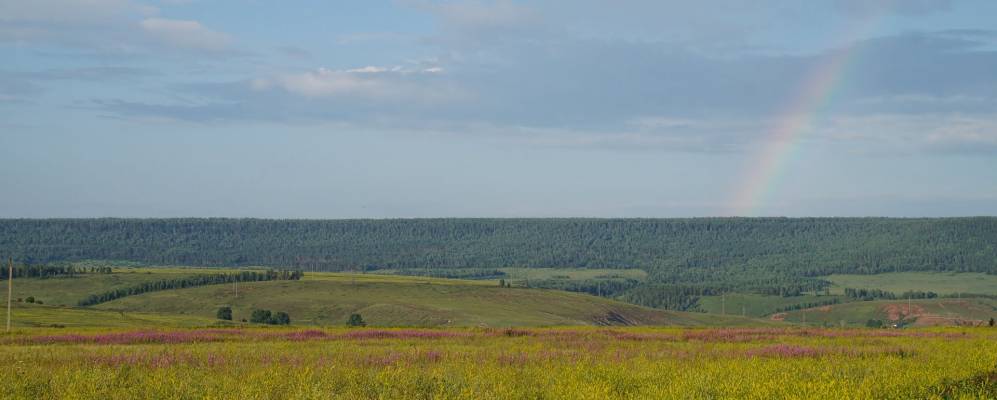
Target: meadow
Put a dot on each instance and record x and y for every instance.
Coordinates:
(943, 283)
(475, 363)
(328, 299)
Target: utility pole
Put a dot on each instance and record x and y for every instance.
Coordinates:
(10, 287)
(723, 304)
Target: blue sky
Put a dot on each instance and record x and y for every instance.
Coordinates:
(410, 108)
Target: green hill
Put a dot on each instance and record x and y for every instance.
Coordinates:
(329, 299)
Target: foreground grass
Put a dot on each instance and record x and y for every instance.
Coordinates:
(568, 363)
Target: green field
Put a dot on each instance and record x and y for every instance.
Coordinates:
(33, 315)
(899, 282)
(68, 290)
(755, 305)
(329, 299)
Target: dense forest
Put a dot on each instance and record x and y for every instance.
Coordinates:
(699, 255)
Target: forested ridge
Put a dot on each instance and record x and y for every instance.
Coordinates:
(698, 255)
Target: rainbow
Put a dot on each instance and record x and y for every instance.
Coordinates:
(792, 124)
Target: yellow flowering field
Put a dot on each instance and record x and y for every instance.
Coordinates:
(540, 363)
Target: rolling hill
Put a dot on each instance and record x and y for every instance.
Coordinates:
(329, 299)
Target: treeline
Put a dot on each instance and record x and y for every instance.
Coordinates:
(454, 273)
(877, 294)
(190, 281)
(46, 271)
(779, 256)
(813, 304)
(596, 287)
(670, 297)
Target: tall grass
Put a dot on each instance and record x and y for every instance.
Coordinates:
(554, 363)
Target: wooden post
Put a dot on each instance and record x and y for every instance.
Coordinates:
(10, 287)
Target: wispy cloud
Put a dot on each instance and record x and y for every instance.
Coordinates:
(185, 34)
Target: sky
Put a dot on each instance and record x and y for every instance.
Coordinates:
(418, 108)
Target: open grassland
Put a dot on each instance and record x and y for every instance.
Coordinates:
(329, 298)
(33, 315)
(927, 312)
(385, 300)
(899, 282)
(562, 363)
(68, 290)
(756, 305)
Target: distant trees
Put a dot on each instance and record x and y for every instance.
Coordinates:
(261, 316)
(453, 273)
(874, 294)
(280, 318)
(874, 323)
(224, 313)
(991, 322)
(356, 320)
(42, 271)
(191, 281)
(813, 304)
(683, 258)
(29, 299)
(768, 247)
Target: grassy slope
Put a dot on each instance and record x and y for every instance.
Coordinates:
(899, 282)
(32, 315)
(69, 290)
(754, 305)
(927, 312)
(328, 299)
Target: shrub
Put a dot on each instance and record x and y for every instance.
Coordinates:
(270, 318)
(30, 299)
(356, 320)
(280, 318)
(224, 313)
(260, 316)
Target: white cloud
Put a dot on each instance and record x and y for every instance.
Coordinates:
(370, 82)
(185, 34)
(907, 133)
(370, 69)
(326, 82)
